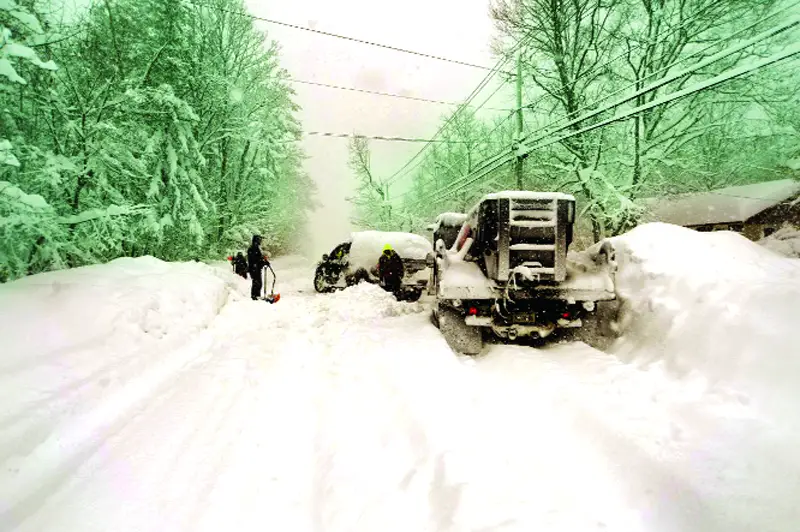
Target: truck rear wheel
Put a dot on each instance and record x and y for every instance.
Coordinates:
(461, 337)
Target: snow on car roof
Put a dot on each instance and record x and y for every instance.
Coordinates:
(367, 246)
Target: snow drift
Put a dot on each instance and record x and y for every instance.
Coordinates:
(711, 305)
(93, 303)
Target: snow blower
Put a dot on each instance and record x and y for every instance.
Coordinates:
(272, 297)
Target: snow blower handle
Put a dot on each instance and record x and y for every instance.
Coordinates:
(274, 277)
(273, 297)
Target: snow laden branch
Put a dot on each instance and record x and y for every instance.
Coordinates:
(168, 129)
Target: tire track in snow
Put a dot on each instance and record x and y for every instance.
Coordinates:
(145, 458)
(41, 472)
(375, 455)
(34, 421)
(325, 413)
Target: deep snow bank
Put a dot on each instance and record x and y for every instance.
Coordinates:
(124, 298)
(82, 349)
(714, 305)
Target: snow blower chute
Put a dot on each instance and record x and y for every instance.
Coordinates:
(272, 297)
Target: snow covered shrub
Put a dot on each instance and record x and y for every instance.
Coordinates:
(31, 237)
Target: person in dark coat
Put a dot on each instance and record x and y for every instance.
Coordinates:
(240, 265)
(255, 264)
(390, 270)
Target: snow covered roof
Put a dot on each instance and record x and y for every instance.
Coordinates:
(725, 205)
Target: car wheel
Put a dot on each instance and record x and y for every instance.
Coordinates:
(413, 295)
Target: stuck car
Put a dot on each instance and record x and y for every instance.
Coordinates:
(356, 259)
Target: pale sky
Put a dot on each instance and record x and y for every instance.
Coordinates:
(456, 29)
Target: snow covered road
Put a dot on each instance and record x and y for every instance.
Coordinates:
(158, 397)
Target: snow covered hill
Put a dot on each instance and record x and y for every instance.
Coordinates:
(142, 395)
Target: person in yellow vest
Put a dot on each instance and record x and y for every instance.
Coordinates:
(390, 270)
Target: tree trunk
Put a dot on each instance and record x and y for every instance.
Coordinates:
(222, 190)
(637, 151)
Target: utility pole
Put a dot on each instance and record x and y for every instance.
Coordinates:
(520, 124)
(388, 205)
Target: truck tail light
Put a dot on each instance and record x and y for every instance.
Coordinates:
(472, 311)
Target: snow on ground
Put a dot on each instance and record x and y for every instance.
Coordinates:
(785, 241)
(141, 395)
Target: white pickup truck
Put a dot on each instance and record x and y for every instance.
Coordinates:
(508, 272)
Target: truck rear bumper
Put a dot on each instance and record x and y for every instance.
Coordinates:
(515, 330)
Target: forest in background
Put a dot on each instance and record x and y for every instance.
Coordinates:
(143, 127)
(577, 57)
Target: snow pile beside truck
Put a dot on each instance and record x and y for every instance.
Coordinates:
(785, 241)
(713, 306)
(374, 303)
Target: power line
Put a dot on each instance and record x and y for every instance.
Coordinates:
(498, 126)
(716, 80)
(650, 88)
(746, 44)
(382, 137)
(667, 79)
(365, 91)
(489, 160)
(400, 173)
(338, 36)
(673, 30)
(502, 61)
(461, 183)
(412, 168)
(590, 71)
